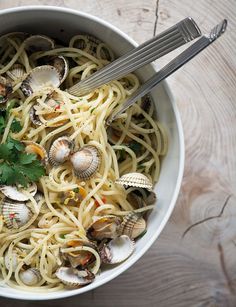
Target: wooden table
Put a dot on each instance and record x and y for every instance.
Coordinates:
(193, 263)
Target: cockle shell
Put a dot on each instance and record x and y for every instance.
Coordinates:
(35, 148)
(15, 215)
(85, 162)
(104, 227)
(30, 277)
(16, 194)
(133, 225)
(11, 261)
(73, 277)
(89, 44)
(16, 72)
(117, 250)
(80, 258)
(59, 62)
(38, 43)
(138, 180)
(40, 77)
(5, 90)
(60, 150)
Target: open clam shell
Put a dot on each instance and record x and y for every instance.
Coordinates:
(133, 225)
(85, 162)
(104, 227)
(140, 198)
(60, 150)
(138, 180)
(38, 150)
(38, 43)
(5, 90)
(80, 258)
(30, 277)
(15, 215)
(117, 250)
(39, 78)
(74, 278)
(59, 62)
(16, 194)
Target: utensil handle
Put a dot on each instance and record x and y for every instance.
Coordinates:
(172, 38)
(172, 66)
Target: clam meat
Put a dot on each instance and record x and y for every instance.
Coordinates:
(104, 227)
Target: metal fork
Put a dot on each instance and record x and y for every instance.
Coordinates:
(174, 37)
(172, 66)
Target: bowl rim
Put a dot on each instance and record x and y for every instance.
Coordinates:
(126, 265)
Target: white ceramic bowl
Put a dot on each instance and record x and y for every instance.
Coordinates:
(63, 23)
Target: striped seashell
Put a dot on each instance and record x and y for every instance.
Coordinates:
(133, 225)
(15, 215)
(138, 180)
(74, 278)
(60, 150)
(16, 194)
(30, 277)
(17, 71)
(85, 162)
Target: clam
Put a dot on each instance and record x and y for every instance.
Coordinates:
(11, 261)
(140, 198)
(90, 44)
(73, 277)
(34, 118)
(34, 148)
(133, 225)
(80, 258)
(16, 72)
(5, 90)
(104, 227)
(59, 62)
(85, 162)
(117, 250)
(60, 150)
(40, 77)
(138, 180)
(16, 194)
(38, 43)
(30, 277)
(15, 215)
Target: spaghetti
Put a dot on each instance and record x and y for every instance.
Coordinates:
(65, 205)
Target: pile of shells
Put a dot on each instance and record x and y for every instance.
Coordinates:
(15, 205)
(85, 161)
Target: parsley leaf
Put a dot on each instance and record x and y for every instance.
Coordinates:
(18, 166)
(16, 126)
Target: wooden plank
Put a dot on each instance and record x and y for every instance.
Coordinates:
(193, 262)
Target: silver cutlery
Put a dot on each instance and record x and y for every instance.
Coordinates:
(172, 66)
(174, 37)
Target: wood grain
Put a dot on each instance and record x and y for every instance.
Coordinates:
(193, 263)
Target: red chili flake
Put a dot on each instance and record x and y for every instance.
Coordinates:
(12, 215)
(97, 203)
(57, 107)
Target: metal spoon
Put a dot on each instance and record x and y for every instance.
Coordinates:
(172, 66)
